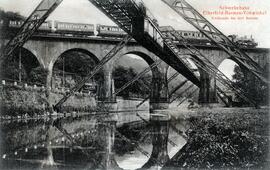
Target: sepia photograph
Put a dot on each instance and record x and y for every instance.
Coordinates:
(134, 84)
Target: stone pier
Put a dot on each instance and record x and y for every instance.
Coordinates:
(208, 92)
(107, 130)
(160, 132)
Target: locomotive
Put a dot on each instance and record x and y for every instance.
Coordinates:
(243, 42)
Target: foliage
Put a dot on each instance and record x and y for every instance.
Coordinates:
(75, 62)
(38, 76)
(253, 87)
(9, 15)
(10, 70)
(30, 71)
(122, 75)
(236, 140)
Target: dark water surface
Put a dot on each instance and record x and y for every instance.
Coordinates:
(80, 143)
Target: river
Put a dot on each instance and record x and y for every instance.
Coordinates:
(28, 145)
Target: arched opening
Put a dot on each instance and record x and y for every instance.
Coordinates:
(228, 67)
(232, 71)
(71, 67)
(245, 81)
(126, 68)
(23, 67)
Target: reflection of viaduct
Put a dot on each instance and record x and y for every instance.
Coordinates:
(47, 49)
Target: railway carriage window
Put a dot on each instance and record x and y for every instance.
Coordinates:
(193, 34)
(185, 34)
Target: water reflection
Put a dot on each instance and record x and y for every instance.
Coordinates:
(84, 143)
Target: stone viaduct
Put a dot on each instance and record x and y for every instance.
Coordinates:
(47, 49)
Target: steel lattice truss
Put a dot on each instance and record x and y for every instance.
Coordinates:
(37, 17)
(223, 96)
(98, 67)
(110, 8)
(173, 48)
(188, 95)
(177, 88)
(148, 97)
(121, 11)
(137, 77)
(191, 86)
(127, 14)
(205, 64)
(192, 16)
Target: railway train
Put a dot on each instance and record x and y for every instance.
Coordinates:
(105, 30)
(71, 29)
(85, 30)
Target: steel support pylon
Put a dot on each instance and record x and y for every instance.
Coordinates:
(98, 67)
(192, 16)
(32, 23)
(204, 63)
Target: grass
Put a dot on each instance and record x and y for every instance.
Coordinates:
(233, 138)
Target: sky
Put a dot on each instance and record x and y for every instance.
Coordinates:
(82, 11)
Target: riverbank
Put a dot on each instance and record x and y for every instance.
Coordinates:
(225, 138)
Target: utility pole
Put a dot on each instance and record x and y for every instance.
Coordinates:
(63, 72)
(20, 65)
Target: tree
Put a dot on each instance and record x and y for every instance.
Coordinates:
(38, 76)
(250, 84)
(122, 75)
(8, 15)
